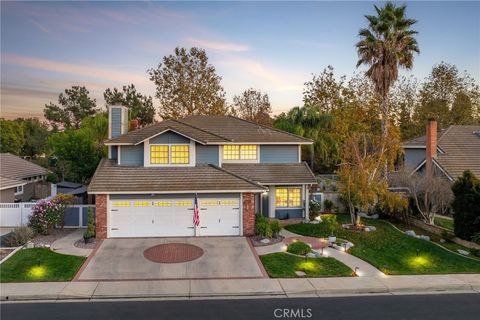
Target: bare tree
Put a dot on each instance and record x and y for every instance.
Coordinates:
(431, 194)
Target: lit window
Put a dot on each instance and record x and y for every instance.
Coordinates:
(158, 154)
(142, 204)
(288, 197)
(180, 154)
(121, 204)
(240, 152)
(183, 203)
(162, 204)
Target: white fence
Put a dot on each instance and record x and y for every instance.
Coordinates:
(17, 214)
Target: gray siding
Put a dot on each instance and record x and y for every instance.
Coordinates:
(288, 213)
(278, 154)
(206, 154)
(169, 137)
(113, 152)
(116, 122)
(413, 157)
(131, 155)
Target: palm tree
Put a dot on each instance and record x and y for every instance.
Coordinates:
(387, 44)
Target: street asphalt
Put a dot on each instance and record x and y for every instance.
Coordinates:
(390, 307)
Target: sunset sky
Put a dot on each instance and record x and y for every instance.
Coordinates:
(274, 47)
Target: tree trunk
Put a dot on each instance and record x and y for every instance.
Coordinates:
(384, 124)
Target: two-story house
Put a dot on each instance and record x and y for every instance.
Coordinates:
(234, 168)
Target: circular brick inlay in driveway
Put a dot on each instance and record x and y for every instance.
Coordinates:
(173, 253)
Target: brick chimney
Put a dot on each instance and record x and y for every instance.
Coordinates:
(431, 151)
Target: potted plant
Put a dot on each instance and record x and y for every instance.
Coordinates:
(89, 235)
(330, 222)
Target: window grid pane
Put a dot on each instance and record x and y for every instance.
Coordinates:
(231, 152)
(248, 152)
(281, 197)
(180, 154)
(294, 197)
(158, 154)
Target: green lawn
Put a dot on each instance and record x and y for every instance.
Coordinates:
(445, 223)
(392, 251)
(39, 264)
(284, 265)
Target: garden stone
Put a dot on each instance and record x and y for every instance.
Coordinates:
(426, 238)
(30, 245)
(265, 241)
(366, 229)
(300, 273)
(410, 233)
(311, 255)
(348, 245)
(337, 247)
(442, 241)
(371, 228)
(314, 222)
(463, 252)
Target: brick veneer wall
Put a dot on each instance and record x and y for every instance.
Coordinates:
(101, 216)
(248, 214)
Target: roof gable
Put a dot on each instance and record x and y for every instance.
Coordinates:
(15, 167)
(213, 129)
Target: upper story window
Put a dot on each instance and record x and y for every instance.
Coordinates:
(158, 154)
(180, 154)
(240, 152)
(169, 154)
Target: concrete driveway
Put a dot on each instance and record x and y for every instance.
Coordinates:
(122, 259)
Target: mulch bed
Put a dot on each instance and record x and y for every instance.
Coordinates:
(81, 244)
(4, 253)
(256, 241)
(41, 240)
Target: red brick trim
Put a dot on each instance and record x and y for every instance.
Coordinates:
(101, 216)
(248, 214)
(87, 261)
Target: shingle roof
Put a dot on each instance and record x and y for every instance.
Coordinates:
(17, 168)
(111, 178)
(7, 183)
(213, 130)
(422, 140)
(274, 173)
(461, 145)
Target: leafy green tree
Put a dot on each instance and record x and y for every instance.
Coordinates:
(449, 96)
(35, 133)
(12, 139)
(324, 91)
(309, 122)
(97, 126)
(140, 106)
(73, 106)
(387, 44)
(188, 85)
(404, 102)
(466, 208)
(76, 154)
(254, 106)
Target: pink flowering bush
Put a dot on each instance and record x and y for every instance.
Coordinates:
(48, 213)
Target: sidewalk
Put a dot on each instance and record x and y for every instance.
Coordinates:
(65, 245)
(235, 288)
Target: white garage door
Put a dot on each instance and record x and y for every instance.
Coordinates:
(173, 217)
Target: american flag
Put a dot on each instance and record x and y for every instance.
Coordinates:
(196, 212)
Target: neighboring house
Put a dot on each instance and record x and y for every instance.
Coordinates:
(448, 152)
(22, 180)
(78, 190)
(236, 168)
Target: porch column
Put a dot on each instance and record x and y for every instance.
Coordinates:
(101, 216)
(271, 202)
(248, 213)
(307, 203)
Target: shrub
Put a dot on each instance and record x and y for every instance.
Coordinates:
(328, 205)
(48, 213)
(52, 177)
(262, 227)
(299, 247)
(447, 236)
(315, 209)
(330, 222)
(90, 233)
(476, 238)
(275, 227)
(19, 236)
(466, 211)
